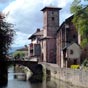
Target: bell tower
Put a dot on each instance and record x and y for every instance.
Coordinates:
(50, 27)
(50, 20)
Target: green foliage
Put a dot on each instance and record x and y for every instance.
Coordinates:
(84, 42)
(19, 54)
(6, 36)
(75, 7)
(80, 19)
(85, 63)
(75, 66)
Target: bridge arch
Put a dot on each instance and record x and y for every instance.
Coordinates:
(37, 69)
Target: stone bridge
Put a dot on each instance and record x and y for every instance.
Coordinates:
(36, 68)
(33, 66)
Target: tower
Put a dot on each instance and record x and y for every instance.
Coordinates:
(50, 20)
(50, 27)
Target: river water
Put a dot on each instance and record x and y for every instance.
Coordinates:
(47, 83)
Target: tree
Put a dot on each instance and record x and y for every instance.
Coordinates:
(80, 19)
(6, 36)
(18, 55)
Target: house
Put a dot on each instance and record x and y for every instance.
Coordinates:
(67, 37)
(54, 41)
(50, 27)
(48, 39)
(34, 47)
(70, 55)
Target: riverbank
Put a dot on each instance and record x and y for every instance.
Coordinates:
(75, 77)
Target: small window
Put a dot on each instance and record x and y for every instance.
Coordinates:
(74, 36)
(52, 18)
(71, 51)
(52, 12)
(75, 61)
(85, 49)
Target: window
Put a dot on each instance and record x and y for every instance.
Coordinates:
(71, 51)
(85, 49)
(52, 12)
(74, 36)
(75, 61)
(52, 18)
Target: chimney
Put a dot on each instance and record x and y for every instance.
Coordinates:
(38, 30)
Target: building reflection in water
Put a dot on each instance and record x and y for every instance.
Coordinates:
(55, 83)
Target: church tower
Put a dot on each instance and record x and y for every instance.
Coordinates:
(50, 20)
(50, 27)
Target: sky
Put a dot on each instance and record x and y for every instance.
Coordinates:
(27, 17)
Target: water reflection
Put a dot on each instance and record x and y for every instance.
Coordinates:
(55, 83)
(47, 83)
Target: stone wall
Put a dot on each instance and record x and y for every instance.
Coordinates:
(76, 77)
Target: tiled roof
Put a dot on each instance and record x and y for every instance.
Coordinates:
(70, 45)
(66, 20)
(47, 37)
(36, 34)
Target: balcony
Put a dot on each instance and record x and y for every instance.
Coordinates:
(35, 50)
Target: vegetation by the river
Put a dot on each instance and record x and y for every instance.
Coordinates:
(6, 36)
(80, 19)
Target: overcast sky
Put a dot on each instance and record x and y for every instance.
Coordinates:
(27, 17)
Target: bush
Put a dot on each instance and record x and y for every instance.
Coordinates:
(85, 63)
(75, 66)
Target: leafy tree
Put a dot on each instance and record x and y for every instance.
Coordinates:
(80, 19)
(18, 55)
(6, 36)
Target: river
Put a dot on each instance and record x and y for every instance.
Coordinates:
(47, 83)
